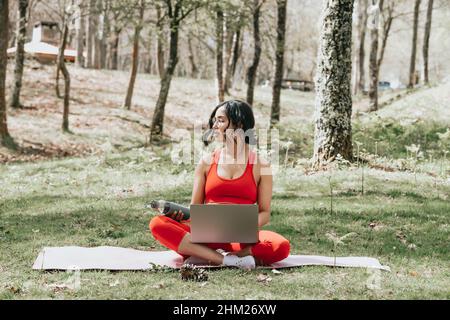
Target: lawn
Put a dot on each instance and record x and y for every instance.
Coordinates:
(100, 201)
(89, 188)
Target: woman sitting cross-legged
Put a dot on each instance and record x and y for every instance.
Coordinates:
(221, 178)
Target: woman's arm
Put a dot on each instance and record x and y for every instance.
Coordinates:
(264, 193)
(198, 190)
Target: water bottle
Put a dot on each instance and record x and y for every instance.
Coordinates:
(167, 207)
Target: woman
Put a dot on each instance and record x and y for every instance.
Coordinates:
(231, 174)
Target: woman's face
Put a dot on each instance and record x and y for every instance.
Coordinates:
(220, 124)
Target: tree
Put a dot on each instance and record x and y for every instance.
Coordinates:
(80, 32)
(194, 68)
(159, 42)
(279, 57)
(20, 53)
(135, 57)
(62, 66)
(426, 41)
(377, 6)
(361, 27)
(388, 18)
(119, 13)
(219, 54)
(176, 11)
(90, 33)
(235, 52)
(412, 64)
(5, 138)
(252, 70)
(333, 131)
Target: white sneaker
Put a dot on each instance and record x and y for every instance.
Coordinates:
(247, 262)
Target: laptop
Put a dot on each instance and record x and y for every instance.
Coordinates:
(224, 223)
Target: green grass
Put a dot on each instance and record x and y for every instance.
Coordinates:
(100, 201)
(402, 218)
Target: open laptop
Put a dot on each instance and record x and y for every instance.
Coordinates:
(224, 223)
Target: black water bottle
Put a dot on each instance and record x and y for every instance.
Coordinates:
(167, 207)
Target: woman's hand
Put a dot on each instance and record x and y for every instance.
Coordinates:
(177, 215)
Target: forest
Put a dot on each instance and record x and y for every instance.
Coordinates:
(99, 103)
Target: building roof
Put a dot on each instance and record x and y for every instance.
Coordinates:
(45, 23)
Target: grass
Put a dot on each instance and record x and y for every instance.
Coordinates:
(100, 201)
(97, 194)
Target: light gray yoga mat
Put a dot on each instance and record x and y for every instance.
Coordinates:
(116, 258)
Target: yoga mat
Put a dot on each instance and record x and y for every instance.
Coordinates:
(116, 258)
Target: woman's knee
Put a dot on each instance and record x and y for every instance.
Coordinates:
(272, 251)
(283, 250)
(157, 224)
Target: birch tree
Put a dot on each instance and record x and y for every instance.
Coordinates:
(333, 130)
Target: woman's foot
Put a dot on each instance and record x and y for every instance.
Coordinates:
(247, 262)
(199, 261)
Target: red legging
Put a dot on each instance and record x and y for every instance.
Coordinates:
(271, 246)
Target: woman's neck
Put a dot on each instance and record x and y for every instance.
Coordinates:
(236, 152)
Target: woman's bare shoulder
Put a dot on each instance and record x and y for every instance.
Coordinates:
(207, 160)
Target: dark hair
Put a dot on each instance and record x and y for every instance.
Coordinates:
(240, 114)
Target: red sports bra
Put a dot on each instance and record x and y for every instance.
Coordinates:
(242, 190)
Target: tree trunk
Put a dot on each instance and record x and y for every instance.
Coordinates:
(58, 70)
(194, 69)
(20, 53)
(115, 49)
(412, 63)
(135, 62)
(386, 29)
(230, 62)
(159, 43)
(426, 41)
(228, 44)
(361, 27)
(65, 72)
(90, 34)
(106, 28)
(219, 55)
(373, 63)
(251, 72)
(236, 54)
(157, 127)
(81, 30)
(4, 25)
(279, 57)
(98, 34)
(333, 130)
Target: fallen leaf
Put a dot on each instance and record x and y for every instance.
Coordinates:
(276, 271)
(264, 278)
(114, 284)
(401, 236)
(413, 274)
(375, 226)
(13, 289)
(57, 287)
